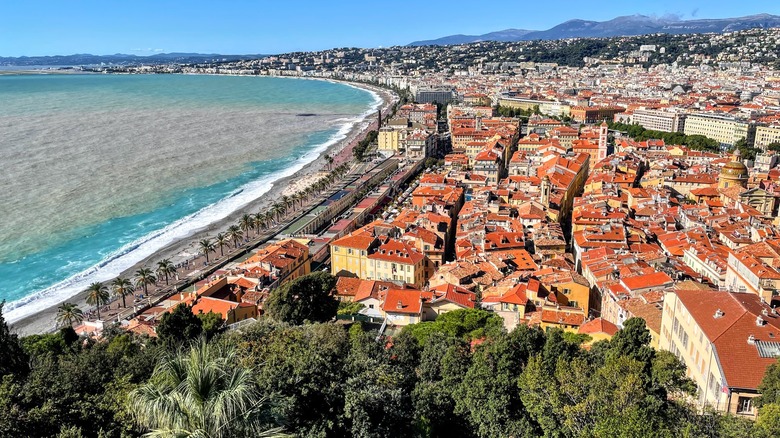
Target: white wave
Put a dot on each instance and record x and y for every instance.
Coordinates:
(130, 254)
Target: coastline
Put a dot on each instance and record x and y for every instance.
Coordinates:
(185, 247)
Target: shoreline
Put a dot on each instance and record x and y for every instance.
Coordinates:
(185, 248)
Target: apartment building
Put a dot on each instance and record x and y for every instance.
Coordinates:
(657, 120)
(726, 130)
(726, 340)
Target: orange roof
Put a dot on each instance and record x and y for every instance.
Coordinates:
(742, 363)
(656, 279)
(598, 325)
(403, 301)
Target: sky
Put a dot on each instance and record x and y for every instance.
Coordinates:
(145, 27)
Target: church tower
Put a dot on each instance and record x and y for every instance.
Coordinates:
(544, 195)
(603, 130)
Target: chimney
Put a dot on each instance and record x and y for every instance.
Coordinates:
(400, 305)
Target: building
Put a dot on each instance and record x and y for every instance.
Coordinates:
(285, 260)
(434, 95)
(389, 139)
(656, 120)
(726, 130)
(733, 174)
(726, 340)
(766, 135)
(594, 114)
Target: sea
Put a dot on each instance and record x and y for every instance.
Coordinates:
(97, 172)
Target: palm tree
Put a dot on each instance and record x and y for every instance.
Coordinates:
(308, 191)
(221, 240)
(122, 287)
(200, 393)
(246, 223)
(234, 233)
(329, 160)
(206, 246)
(68, 314)
(97, 295)
(258, 220)
(143, 278)
(165, 268)
(285, 201)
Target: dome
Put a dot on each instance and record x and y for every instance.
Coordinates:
(734, 170)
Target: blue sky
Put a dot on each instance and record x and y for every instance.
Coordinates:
(143, 27)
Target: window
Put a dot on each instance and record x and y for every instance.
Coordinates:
(349, 251)
(745, 405)
(362, 253)
(370, 306)
(566, 291)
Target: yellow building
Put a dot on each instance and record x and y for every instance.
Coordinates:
(398, 262)
(389, 139)
(570, 288)
(350, 254)
(285, 260)
(365, 257)
(724, 129)
(766, 135)
(726, 341)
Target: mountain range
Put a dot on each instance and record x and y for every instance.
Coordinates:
(121, 59)
(620, 26)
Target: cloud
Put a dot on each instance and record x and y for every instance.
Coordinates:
(158, 50)
(695, 12)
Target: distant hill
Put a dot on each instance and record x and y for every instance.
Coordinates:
(120, 59)
(502, 35)
(620, 26)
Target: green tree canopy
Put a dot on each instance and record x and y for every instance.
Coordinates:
(307, 298)
(201, 393)
(13, 359)
(179, 326)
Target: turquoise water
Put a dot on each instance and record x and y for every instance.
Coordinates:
(101, 171)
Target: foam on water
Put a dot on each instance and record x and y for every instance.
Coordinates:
(114, 262)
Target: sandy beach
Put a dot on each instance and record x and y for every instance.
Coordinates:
(186, 249)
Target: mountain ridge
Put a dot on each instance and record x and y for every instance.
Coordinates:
(627, 25)
(80, 59)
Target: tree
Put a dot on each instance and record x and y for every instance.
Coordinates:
(246, 223)
(143, 278)
(633, 341)
(329, 160)
(68, 314)
(488, 396)
(443, 363)
(305, 367)
(165, 268)
(773, 146)
(97, 295)
(770, 386)
(377, 393)
(121, 287)
(206, 246)
(307, 298)
(179, 326)
(13, 359)
(201, 393)
(211, 323)
(234, 233)
(465, 324)
(221, 240)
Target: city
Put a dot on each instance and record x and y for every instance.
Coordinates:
(631, 187)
